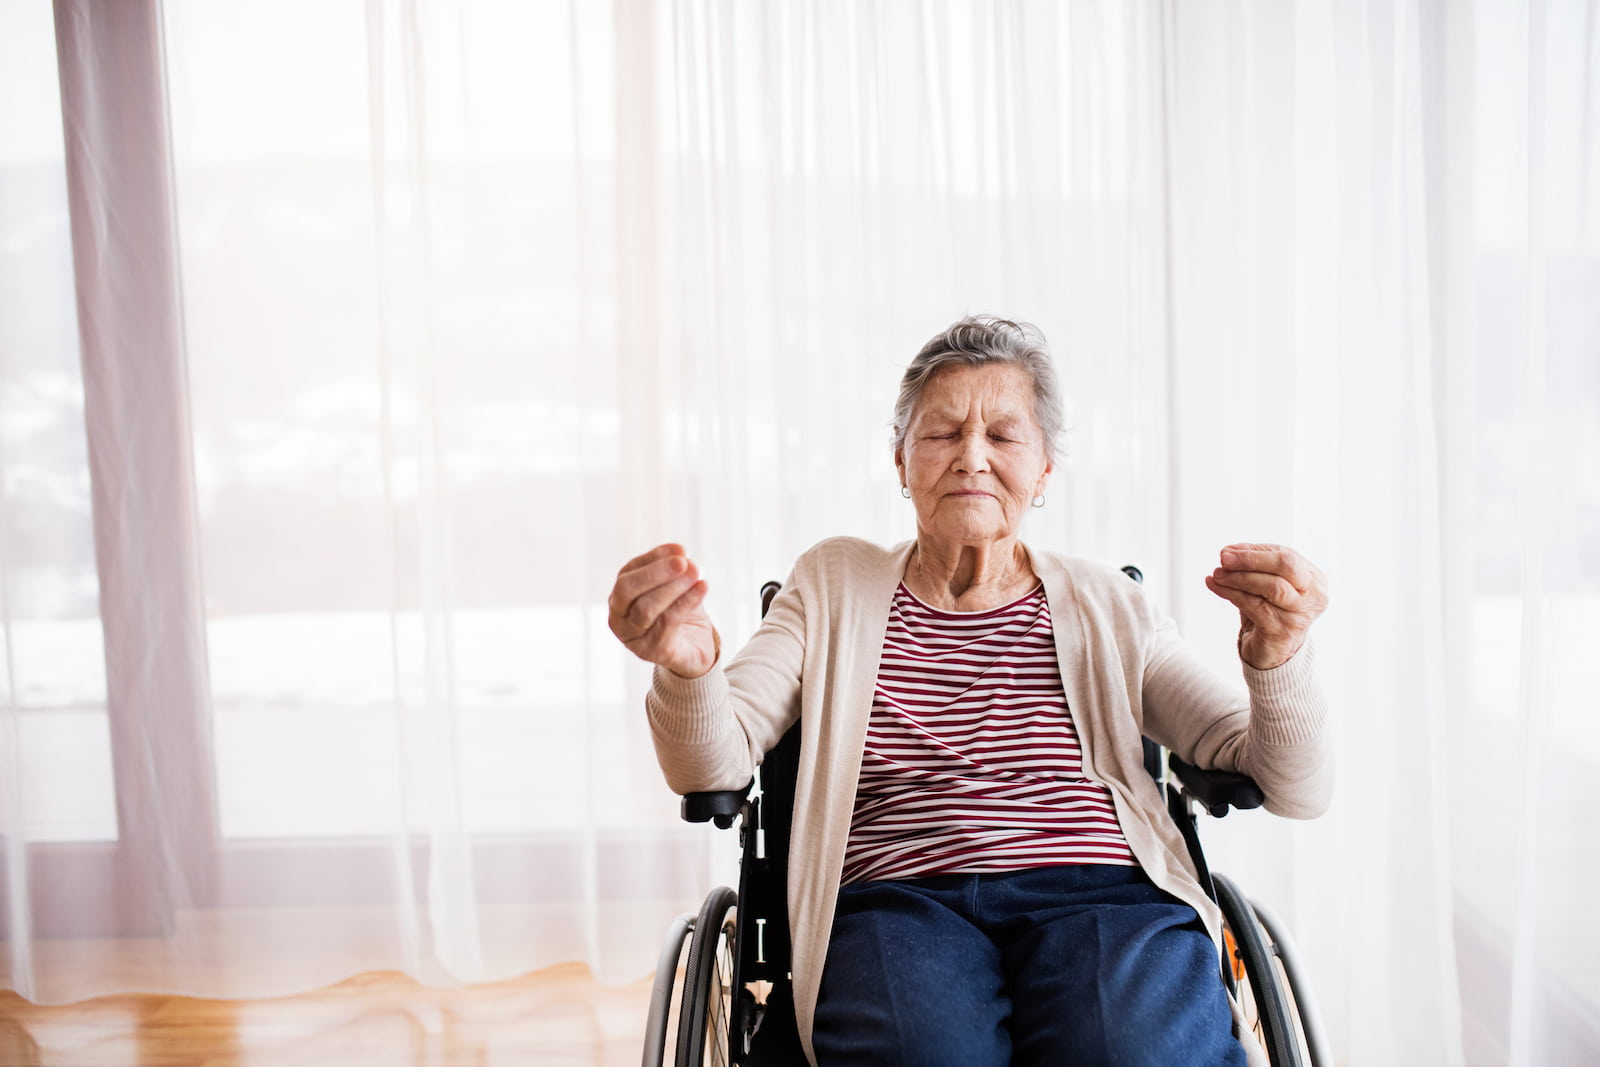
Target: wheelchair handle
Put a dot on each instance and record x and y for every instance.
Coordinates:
(720, 807)
(1217, 791)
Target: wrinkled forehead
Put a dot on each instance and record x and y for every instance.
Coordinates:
(991, 393)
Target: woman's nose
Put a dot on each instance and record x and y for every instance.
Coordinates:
(973, 457)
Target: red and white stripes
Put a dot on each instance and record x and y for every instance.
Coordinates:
(972, 763)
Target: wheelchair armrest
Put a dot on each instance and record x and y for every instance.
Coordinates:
(1217, 791)
(720, 807)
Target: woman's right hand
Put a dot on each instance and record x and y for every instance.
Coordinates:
(657, 611)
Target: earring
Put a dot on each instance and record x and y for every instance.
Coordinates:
(1038, 501)
(905, 491)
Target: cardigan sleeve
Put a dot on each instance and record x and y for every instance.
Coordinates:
(1275, 730)
(711, 732)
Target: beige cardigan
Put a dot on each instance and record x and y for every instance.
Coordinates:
(1126, 673)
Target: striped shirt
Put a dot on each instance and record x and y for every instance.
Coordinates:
(972, 762)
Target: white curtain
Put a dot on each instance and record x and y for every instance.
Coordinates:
(1387, 296)
(346, 350)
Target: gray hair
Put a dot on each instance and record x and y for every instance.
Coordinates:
(981, 340)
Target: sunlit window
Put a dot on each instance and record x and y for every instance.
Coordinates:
(55, 756)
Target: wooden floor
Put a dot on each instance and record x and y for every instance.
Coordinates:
(559, 1017)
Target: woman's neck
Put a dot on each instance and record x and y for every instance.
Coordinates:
(969, 577)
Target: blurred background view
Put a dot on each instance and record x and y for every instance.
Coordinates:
(348, 349)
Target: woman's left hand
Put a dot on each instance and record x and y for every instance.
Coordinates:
(1279, 594)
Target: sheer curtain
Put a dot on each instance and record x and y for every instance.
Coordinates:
(346, 350)
(1386, 267)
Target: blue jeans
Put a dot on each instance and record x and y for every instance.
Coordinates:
(1056, 965)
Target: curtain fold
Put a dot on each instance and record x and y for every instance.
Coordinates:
(471, 302)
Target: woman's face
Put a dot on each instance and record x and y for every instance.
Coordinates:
(973, 455)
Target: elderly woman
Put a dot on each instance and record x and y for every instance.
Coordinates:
(982, 871)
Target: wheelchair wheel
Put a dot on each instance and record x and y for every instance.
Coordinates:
(1313, 1038)
(1261, 978)
(661, 993)
(704, 1017)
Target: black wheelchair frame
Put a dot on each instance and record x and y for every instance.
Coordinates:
(734, 1004)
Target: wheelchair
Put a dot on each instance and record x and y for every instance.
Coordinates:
(722, 988)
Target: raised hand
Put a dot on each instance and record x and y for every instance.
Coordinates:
(657, 611)
(1279, 594)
